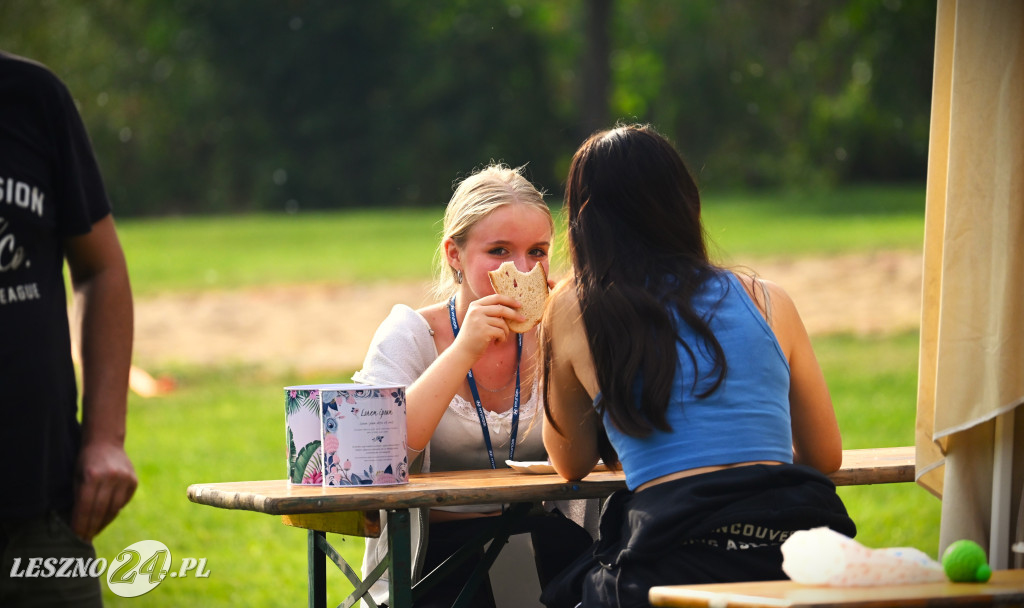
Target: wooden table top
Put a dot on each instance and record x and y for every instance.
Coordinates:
(1005, 588)
(279, 497)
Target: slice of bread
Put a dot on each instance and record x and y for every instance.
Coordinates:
(530, 289)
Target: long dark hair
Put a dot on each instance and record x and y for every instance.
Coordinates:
(639, 255)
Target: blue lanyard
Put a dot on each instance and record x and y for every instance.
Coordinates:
(476, 394)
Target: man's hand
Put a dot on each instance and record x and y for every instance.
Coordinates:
(104, 483)
(104, 477)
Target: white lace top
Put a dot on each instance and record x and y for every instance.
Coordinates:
(401, 350)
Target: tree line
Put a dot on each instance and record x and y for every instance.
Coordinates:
(243, 105)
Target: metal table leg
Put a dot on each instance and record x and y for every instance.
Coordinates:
(317, 569)
(318, 552)
(400, 554)
(399, 560)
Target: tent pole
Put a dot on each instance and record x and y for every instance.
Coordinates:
(1002, 469)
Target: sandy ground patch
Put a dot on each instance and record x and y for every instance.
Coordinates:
(324, 327)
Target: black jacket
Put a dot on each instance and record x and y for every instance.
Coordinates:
(717, 527)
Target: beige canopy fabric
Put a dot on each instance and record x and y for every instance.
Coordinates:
(971, 374)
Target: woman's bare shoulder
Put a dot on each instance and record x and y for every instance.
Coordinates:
(563, 320)
(778, 309)
(436, 315)
(563, 303)
(433, 310)
(765, 293)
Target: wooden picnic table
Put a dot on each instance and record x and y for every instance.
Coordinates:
(355, 510)
(1005, 588)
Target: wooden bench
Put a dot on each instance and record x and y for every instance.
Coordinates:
(876, 465)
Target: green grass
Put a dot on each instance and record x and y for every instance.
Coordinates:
(223, 252)
(220, 425)
(859, 219)
(193, 254)
(227, 424)
(873, 381)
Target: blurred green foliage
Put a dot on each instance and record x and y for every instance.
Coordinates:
(241, 105)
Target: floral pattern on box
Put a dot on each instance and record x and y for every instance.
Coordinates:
(364, 437)
(302, 433)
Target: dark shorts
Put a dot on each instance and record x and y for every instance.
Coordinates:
(48, 541)
(557, 542)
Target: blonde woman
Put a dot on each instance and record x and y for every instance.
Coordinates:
(472, 388)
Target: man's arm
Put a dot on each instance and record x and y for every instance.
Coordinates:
(104, 478)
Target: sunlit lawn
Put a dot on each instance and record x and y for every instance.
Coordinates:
(195, 254)
(227, 424)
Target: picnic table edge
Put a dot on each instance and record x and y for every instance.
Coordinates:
(277, 497)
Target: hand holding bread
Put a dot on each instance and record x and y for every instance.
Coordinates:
(530, 289)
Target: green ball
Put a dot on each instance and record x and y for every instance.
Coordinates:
(965, 562)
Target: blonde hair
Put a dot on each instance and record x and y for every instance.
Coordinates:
(490, 188)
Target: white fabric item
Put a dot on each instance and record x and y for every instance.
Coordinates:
(821, 556)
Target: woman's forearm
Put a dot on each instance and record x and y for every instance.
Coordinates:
(428, 397)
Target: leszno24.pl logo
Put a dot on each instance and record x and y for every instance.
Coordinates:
(136, 570)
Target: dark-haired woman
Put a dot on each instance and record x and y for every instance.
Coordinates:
(701, 382)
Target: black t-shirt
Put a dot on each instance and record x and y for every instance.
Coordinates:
(50, 189)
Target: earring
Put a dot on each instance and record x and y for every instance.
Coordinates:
(458, 276)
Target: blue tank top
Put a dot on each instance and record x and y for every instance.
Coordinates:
(745, 419)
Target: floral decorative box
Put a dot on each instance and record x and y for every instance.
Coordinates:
(364, 435)
(303, 435)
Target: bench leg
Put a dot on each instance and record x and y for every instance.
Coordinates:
(317, 570)
(400, 551)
